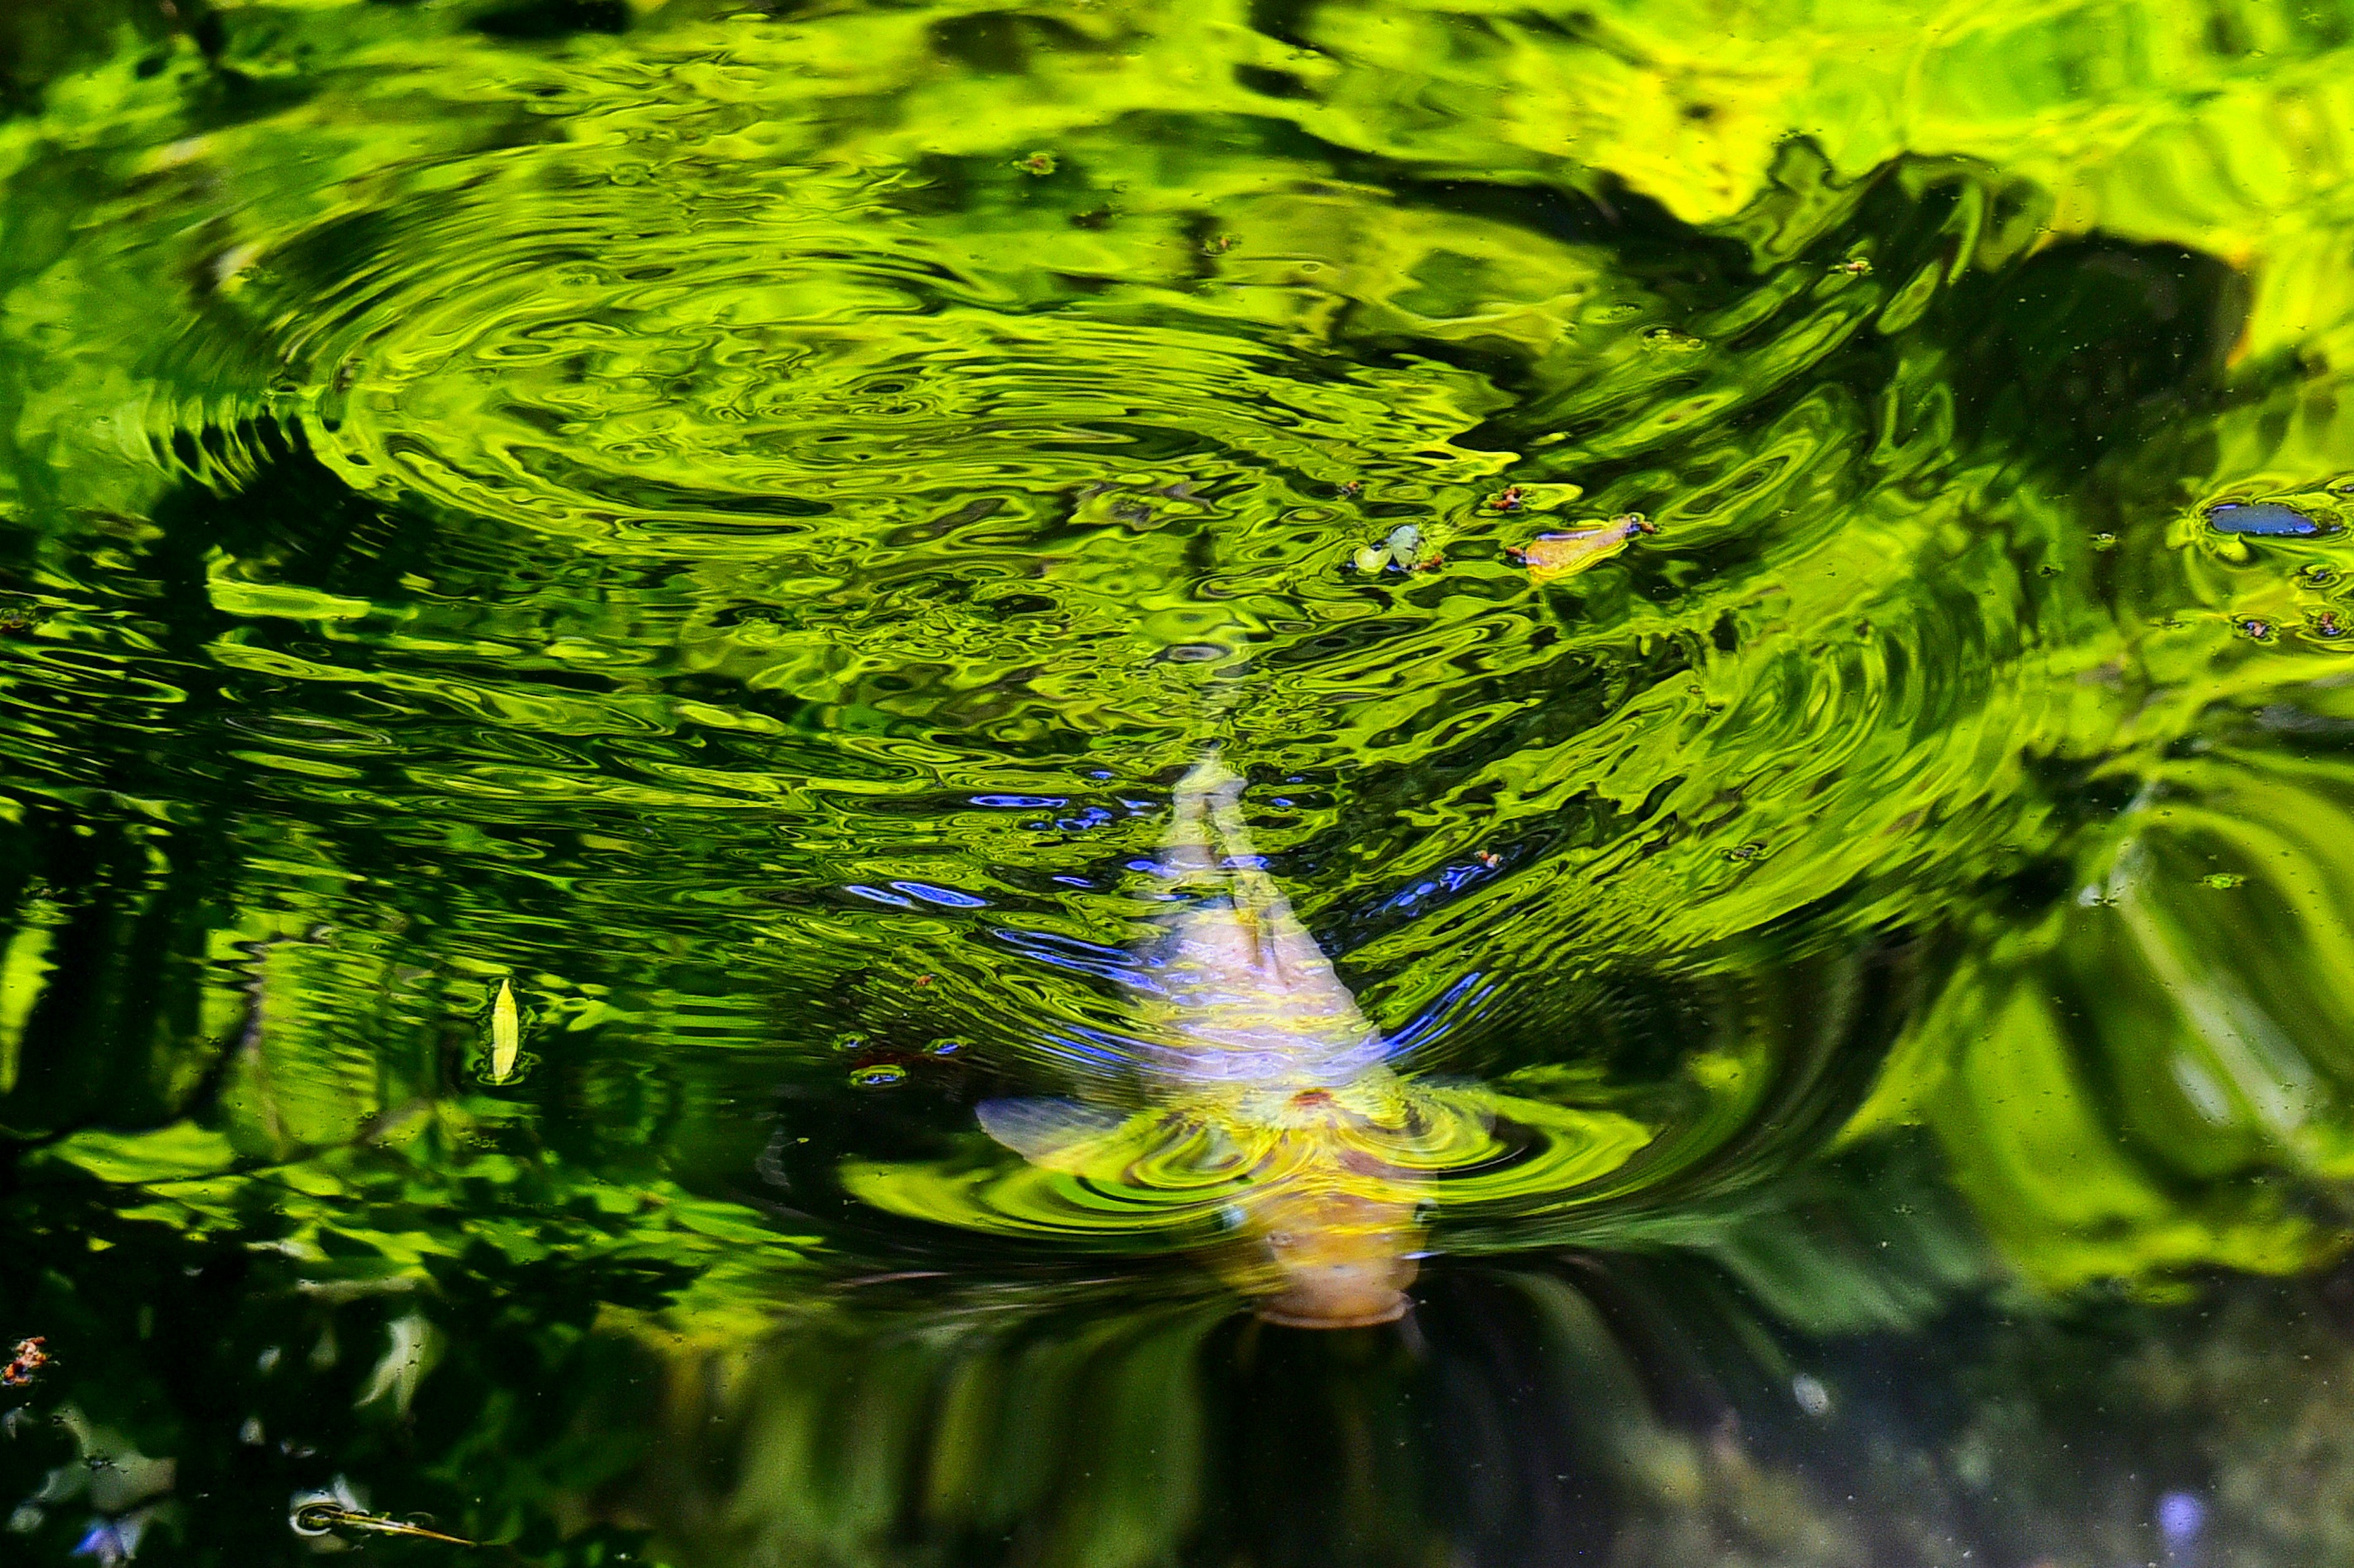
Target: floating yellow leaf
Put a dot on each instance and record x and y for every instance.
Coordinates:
(506, 1033)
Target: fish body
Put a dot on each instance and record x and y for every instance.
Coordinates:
(1267, 1084)
(1263, 1124)
(1551, 555)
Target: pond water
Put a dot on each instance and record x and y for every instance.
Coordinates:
(903, 783)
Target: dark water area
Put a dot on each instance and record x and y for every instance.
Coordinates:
(1135, 782)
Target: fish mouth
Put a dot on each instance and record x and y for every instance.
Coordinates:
(1299, 1315)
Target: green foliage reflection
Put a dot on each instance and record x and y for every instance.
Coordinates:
(719, 526)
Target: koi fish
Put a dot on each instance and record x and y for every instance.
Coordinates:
(1549, 555)
(1264, 1123)
(1271, 1084)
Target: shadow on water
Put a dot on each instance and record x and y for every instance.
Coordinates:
(1635, 1410)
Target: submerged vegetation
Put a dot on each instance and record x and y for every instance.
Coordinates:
(604, 609)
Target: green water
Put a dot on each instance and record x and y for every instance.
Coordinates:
(605, 610)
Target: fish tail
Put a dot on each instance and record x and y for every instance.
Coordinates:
(1190, 853)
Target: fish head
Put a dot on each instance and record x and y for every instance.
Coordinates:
(1334, 1259)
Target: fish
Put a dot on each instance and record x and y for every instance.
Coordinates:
(1549, 555)
(1261, 1121)
(1268, 1083)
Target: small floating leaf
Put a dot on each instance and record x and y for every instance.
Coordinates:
(1402, 551)
(506, 1033)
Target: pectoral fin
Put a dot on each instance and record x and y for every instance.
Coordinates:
(1053, 1134)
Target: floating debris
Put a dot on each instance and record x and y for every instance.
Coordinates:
(506, 1033)
(877, 1076)
(1514, 498)
(2264, 519)
(324, 1516)
(1038, 164)
(2221, 879)
(1853, 267)
(25, 1363)
(2255, 629)
(1219, 244)
(1400, 552)
(1489, 859)
(1549, 555)
(1350, 489)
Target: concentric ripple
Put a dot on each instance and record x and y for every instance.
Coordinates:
(729, 533)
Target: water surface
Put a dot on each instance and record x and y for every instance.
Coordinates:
(1123, 783)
